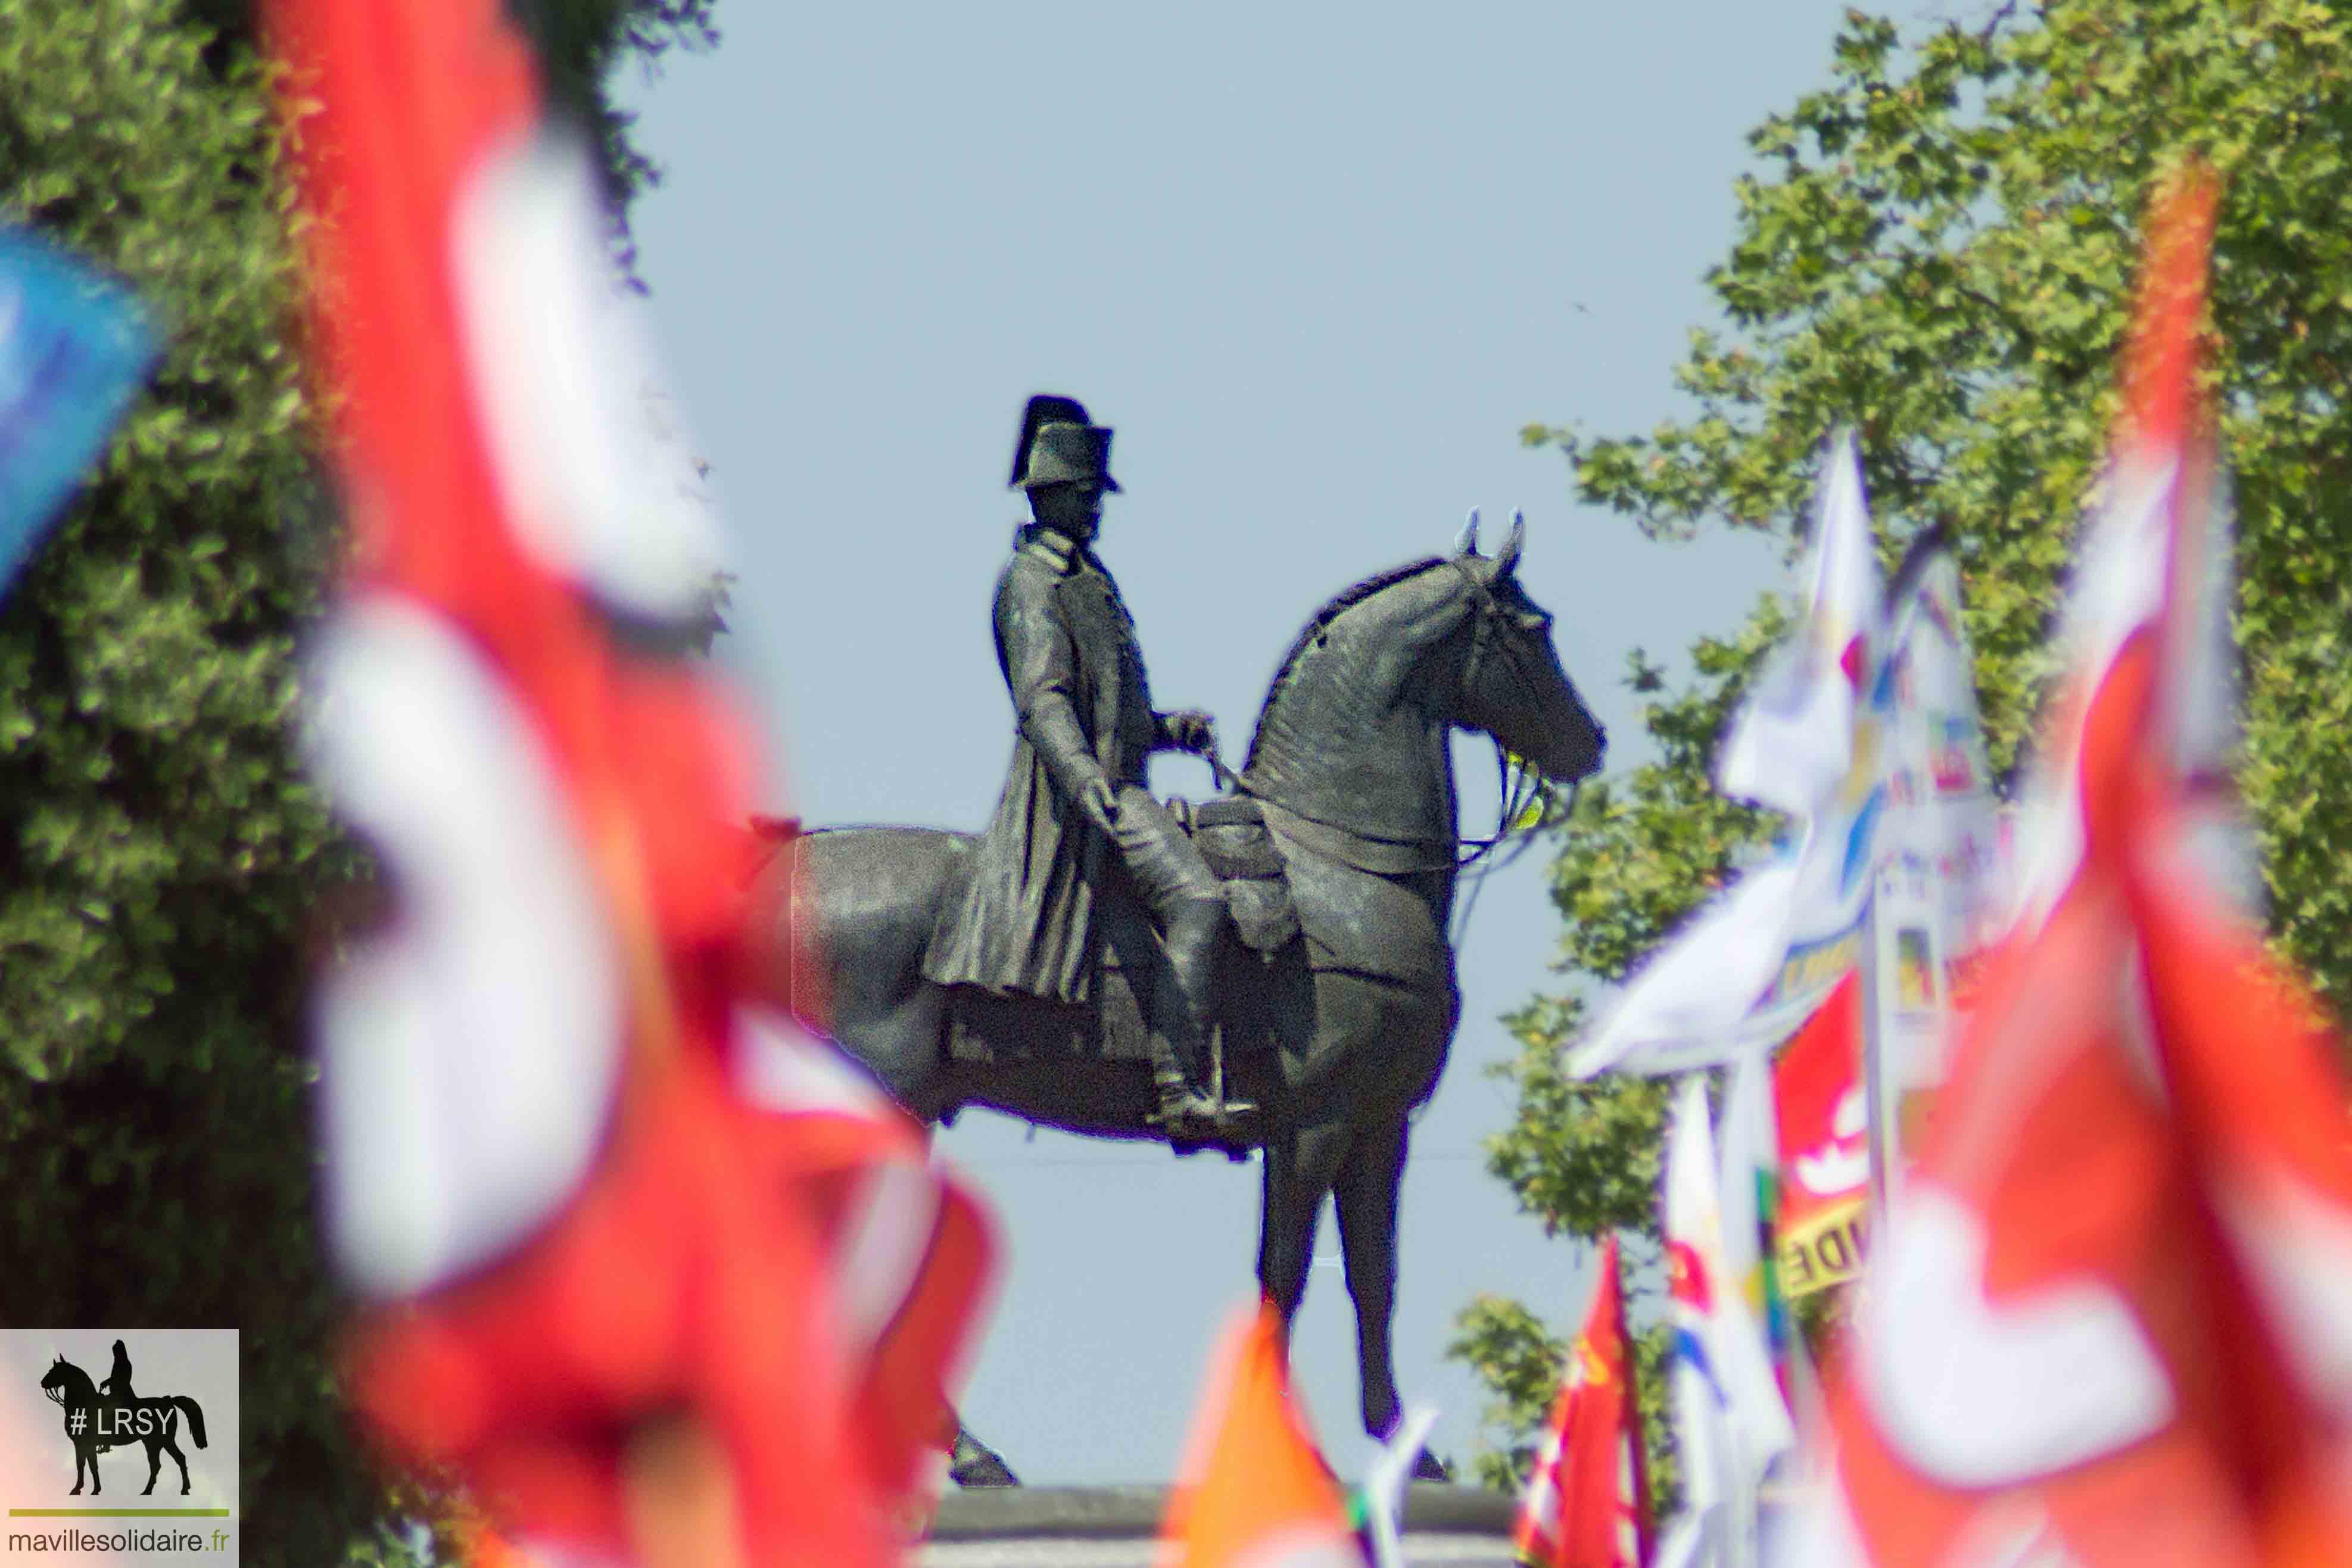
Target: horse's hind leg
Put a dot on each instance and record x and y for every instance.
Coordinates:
(1300, 1166)
(155, 1465)
(179, 1459)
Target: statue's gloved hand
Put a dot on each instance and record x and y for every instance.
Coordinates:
(1099, 801)
(1192, 729)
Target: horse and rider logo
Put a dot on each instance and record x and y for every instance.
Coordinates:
(98, 1416)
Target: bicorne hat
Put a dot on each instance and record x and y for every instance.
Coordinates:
(1060, 445)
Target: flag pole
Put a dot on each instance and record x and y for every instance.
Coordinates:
(1869, 982)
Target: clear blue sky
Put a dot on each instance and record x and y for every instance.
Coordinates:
(1316, 265)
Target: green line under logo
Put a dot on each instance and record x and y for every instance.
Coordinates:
(118, 1513)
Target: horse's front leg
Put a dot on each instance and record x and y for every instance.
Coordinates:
(1368, 1191)
(81, 1457)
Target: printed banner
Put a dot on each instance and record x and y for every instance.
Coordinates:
(119, 1445)
(1940, 899)
(1943, 817)
(1822, 1114)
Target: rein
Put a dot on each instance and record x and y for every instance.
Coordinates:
(1517, 786)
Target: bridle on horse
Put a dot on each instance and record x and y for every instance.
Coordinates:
(1518, 786)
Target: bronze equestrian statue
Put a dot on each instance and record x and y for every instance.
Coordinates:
(1041, 988)
(1077, 812)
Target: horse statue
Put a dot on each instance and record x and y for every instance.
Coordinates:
(97, 1422)
(1348, 800)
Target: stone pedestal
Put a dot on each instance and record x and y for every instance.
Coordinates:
(1117, 1527)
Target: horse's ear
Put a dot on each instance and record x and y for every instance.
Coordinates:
(1506, 560)
(1467, 543)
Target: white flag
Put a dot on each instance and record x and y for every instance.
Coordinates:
(1792, 745)
(1744, 972)
(1723, 1383)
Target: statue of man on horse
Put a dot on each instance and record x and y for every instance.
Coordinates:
(1304, 911)
(1077, 819)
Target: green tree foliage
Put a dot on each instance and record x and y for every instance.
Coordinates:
(582, 42)
(160, 862)
(1939, 248)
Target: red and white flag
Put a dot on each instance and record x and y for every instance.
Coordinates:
(547, 1165)
(1587, 1501)
(909, 1247)
(2069, 1350)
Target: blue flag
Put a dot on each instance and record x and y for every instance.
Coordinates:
(74, 347)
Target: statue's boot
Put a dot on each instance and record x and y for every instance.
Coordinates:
(1190, 1109)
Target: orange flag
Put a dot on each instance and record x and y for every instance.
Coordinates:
(1587, 1503)
(1254, 1492)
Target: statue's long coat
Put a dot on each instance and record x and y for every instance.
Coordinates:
(1068, 649)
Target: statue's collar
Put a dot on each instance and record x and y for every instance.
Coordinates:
(1056, 550)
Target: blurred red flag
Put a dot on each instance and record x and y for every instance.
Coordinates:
(598, 1252)
(1586, 1502)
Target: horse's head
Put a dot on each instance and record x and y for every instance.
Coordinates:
(1354, 727)
(64, 1380)
(1512, 686)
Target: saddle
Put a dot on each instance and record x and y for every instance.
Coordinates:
(1231, 833)
(1231, 836)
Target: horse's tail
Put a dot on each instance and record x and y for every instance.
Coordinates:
(195, 1414)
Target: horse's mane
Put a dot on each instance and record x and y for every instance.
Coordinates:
(1347, 598)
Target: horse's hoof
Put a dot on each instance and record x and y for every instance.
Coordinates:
(987, 1470)
(1184, 1148)
(1430, 1468)
(973, 1465)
